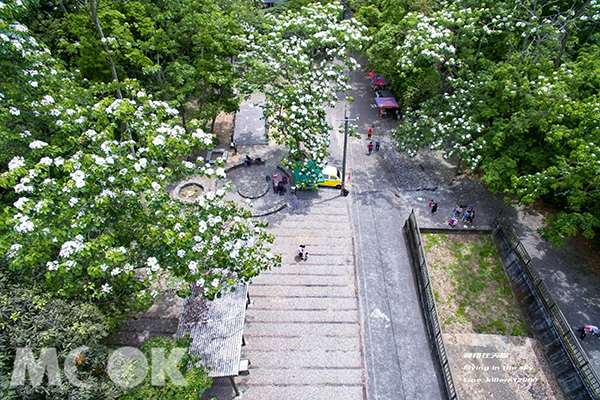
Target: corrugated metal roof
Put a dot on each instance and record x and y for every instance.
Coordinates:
(216, 329)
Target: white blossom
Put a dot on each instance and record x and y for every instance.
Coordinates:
(52, 265)
(37, 144)
(152, 262)
(20, 203)
(24, 225)
(159, 140)
(16, 162)
(71, 247)
(78, 177)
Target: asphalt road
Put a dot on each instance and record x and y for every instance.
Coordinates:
(398, 357)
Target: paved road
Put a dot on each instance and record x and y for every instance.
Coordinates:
(399, 361)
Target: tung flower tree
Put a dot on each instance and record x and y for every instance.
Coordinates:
(84, 177)
(527, 117)
(299, 60)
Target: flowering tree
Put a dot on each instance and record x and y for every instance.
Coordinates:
(85, 204)
(299, 60)
(506, 101)
(182, 51)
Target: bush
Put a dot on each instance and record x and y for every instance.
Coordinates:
(33, 319)
(195, 375)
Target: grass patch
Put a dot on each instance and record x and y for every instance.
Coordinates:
(472, 293)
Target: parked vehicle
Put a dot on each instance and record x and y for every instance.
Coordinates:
(329, 176)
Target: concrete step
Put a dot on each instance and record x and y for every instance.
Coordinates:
(315, 231)
(275, 280)
(314, 221)
(289, 243)
(304, 343)
(315, 259)
(307, 303)
(222, 390)
(302, 291)
(308, 377)
(315, 330)
(307, 393)
(303, 268)
(292, 359)
(302, 316)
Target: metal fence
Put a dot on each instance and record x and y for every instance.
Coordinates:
(568, 338)
(428, 302)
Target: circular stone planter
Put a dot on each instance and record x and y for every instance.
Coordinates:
(190, 191)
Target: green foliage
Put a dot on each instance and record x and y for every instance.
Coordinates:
(84, 200)
(30, 317)
(196, 377)
(299, 60)
(182, 51)
(369, 16)
(508, 90)
(469, 279)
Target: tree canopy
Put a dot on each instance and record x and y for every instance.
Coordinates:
(509, 89)
(86, 218)
(298, 61)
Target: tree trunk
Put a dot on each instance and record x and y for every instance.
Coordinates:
(93, 14)
(183, 120)
(212, 125)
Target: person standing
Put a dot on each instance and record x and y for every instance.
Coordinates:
(457, 211)
(377, 144)
(467, 213)
(471, 217)
(589, 330)
(370, 148)
(434, 208)
(370, 132)
(295, 201)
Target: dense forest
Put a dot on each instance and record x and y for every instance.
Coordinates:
(508, 89)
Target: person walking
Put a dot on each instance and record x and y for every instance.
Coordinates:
(434, 208)
(589, 330)
(370, 148)
(377, 144)
(369, 132)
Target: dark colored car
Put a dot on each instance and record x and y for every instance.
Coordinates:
(385, 93)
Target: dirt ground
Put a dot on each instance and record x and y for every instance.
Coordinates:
(485, 337)
(472, 293)
(223, 125)
(500, 367)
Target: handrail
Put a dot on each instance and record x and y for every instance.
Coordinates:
(569, 340)
(428, 302)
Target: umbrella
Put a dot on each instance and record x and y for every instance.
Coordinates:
(386, 102)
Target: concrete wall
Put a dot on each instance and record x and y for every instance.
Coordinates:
(539, 321)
